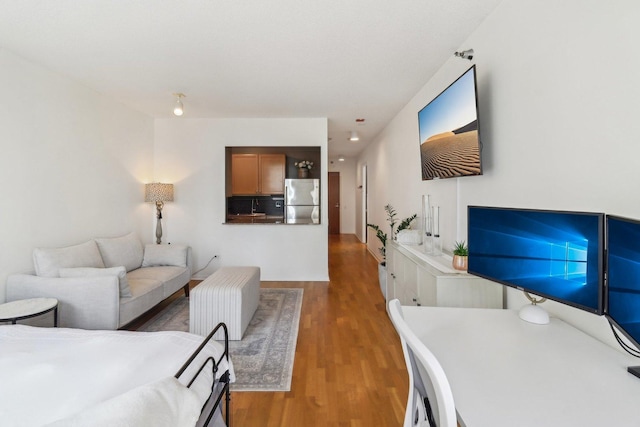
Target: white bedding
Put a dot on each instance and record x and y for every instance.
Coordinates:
(47, 374)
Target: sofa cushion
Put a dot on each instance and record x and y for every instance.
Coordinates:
(146, 293)
(173, 278)
(120, 272)
(48, 261)
(125, 250)
(157, 255)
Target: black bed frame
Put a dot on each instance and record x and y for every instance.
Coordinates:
(220, 387)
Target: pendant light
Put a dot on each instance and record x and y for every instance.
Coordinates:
(178, 108)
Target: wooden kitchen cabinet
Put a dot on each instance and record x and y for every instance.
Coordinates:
(253, 174)
(244, 174)
(272, 170)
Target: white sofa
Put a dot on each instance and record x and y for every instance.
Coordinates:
(104, 283)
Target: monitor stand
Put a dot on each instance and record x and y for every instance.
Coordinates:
(635, 370)
(533, 313)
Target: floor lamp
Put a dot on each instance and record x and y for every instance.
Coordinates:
(158, 193)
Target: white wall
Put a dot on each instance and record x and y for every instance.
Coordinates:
(347, 170)
(191, 154)
(72, 164)
(559, 120)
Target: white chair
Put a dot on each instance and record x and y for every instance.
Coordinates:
(430, 402)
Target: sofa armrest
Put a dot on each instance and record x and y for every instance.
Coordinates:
(83, 302)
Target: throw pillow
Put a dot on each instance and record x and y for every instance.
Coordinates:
(157, 255)
(47, 261)
(120, 272)
(125, 250)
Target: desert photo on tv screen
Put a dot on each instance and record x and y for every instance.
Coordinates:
(448, 125)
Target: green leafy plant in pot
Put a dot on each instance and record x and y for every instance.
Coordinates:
(391, 219)
(460, 256)
(382, 236)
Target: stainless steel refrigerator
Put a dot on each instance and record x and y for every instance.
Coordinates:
(302, 201)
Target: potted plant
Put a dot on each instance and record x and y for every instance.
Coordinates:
(460, 256)
(303, 168)
(382, 236)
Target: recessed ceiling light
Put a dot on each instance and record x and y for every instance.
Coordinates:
(341, 159)
(354, 136)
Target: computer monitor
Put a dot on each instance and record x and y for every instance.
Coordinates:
(623, 277)
(553, 254)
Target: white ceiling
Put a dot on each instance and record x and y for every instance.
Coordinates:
(340, 59)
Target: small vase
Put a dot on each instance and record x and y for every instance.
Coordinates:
(460, 262)
(303, 173)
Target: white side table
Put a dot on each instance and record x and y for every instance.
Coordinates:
(27, 308)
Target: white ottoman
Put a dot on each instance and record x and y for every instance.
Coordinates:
(229, 295)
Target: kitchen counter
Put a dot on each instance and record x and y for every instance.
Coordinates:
(255, 219)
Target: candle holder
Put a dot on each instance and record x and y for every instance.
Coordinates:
(437, 241)
(427, 225)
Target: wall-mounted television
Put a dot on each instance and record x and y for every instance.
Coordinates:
(623, 276)
(449, 131)
(553, 254)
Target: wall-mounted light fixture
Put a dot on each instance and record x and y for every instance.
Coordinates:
(465, 54)
(158, 193)
(354, 136)
(178, 108)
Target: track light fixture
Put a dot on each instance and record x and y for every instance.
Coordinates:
(465, 54)
(354, 136)
(178, 108)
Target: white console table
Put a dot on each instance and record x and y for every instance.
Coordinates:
(416, 278)
(506, 372)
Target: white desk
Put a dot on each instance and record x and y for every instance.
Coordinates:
(507, 372)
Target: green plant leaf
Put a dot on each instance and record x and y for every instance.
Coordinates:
(406, 223)
(460, 249)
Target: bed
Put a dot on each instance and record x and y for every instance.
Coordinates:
(74, 377)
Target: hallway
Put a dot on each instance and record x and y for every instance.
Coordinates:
(349, 369)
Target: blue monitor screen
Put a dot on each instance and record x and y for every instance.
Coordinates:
(552, 254)
(623, 275)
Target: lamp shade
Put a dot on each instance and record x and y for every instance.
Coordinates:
(158, 192)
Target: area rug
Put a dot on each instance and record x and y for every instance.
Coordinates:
(263, 359)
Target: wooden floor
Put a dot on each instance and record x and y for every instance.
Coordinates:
(349, 369)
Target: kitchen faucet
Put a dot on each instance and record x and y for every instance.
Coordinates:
(253, 207)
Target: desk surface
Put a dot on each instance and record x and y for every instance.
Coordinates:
(506, 372)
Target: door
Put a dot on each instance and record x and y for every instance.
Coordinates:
(302, 215)
(244, 174)
(304, 192)
(272, 173)
(334, 202)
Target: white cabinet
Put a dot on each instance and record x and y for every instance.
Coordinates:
(419, 279)
(403, 274)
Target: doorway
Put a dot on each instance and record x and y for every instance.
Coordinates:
(334, 202)
(364, 203)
